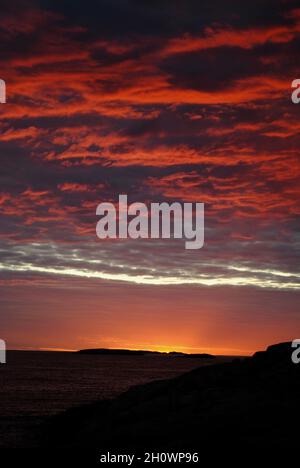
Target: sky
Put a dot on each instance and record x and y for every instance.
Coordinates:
(164, 101)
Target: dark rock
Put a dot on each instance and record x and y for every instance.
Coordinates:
(251, 402)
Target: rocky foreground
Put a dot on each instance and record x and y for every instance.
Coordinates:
(251, 402)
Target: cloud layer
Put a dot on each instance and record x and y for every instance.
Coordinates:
(178, 103)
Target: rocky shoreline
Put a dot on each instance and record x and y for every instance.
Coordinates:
(251, 401)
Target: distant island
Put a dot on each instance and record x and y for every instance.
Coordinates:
(141, 352)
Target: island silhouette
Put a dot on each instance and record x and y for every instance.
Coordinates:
(140, 352)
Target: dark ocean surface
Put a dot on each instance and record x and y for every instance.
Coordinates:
(34, 385)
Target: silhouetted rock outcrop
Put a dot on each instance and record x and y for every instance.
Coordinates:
(252, 402)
